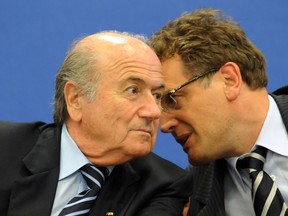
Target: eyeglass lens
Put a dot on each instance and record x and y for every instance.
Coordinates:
(168, 102)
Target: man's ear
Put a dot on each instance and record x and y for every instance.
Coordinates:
(73, 101)
(232, 80)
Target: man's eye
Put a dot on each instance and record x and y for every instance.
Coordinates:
(132, 90)
(157, 96)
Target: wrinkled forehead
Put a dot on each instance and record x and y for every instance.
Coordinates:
(137, 68)
(119, 55)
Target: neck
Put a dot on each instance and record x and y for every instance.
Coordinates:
(250, 115)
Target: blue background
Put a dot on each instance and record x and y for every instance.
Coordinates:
(36, 34)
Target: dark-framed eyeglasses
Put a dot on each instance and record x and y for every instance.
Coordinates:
(168, 102)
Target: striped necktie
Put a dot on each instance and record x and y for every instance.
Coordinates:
(267, 199)
(82, 203)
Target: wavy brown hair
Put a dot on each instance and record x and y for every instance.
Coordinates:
(208, 38)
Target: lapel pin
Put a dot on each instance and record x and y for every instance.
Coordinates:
(109, 214)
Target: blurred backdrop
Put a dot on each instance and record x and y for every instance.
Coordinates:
(36, 34)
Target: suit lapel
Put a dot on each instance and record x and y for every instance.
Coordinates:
(34, 194)
(209, 193)
(282, 102)
(117, 193)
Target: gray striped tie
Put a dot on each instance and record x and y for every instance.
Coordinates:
(82, 203)
(267, 199)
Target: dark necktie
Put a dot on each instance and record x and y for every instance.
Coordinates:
(267, 199)
(82, 203)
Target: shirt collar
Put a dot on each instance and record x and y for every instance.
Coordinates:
(273, 134)
(71, 158)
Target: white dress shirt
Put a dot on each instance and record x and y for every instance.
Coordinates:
(237, 184)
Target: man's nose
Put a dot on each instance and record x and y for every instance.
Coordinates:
(150, 108)
(167, 123)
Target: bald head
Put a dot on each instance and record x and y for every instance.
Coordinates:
(109, 45)
(92, 57)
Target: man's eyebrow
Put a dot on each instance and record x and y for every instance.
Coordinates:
(160, 87)
(141, 81)
(134, 79)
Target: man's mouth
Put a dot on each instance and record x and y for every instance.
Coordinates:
(145, 131)
(182, 139)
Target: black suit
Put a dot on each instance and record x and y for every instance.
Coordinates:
(208, 194)
(29, 167)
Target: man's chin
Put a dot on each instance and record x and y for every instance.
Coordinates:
(142, 151)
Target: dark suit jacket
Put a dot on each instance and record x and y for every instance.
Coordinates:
(29, 167)
(208, 180)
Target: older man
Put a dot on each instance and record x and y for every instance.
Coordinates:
(96, 158)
